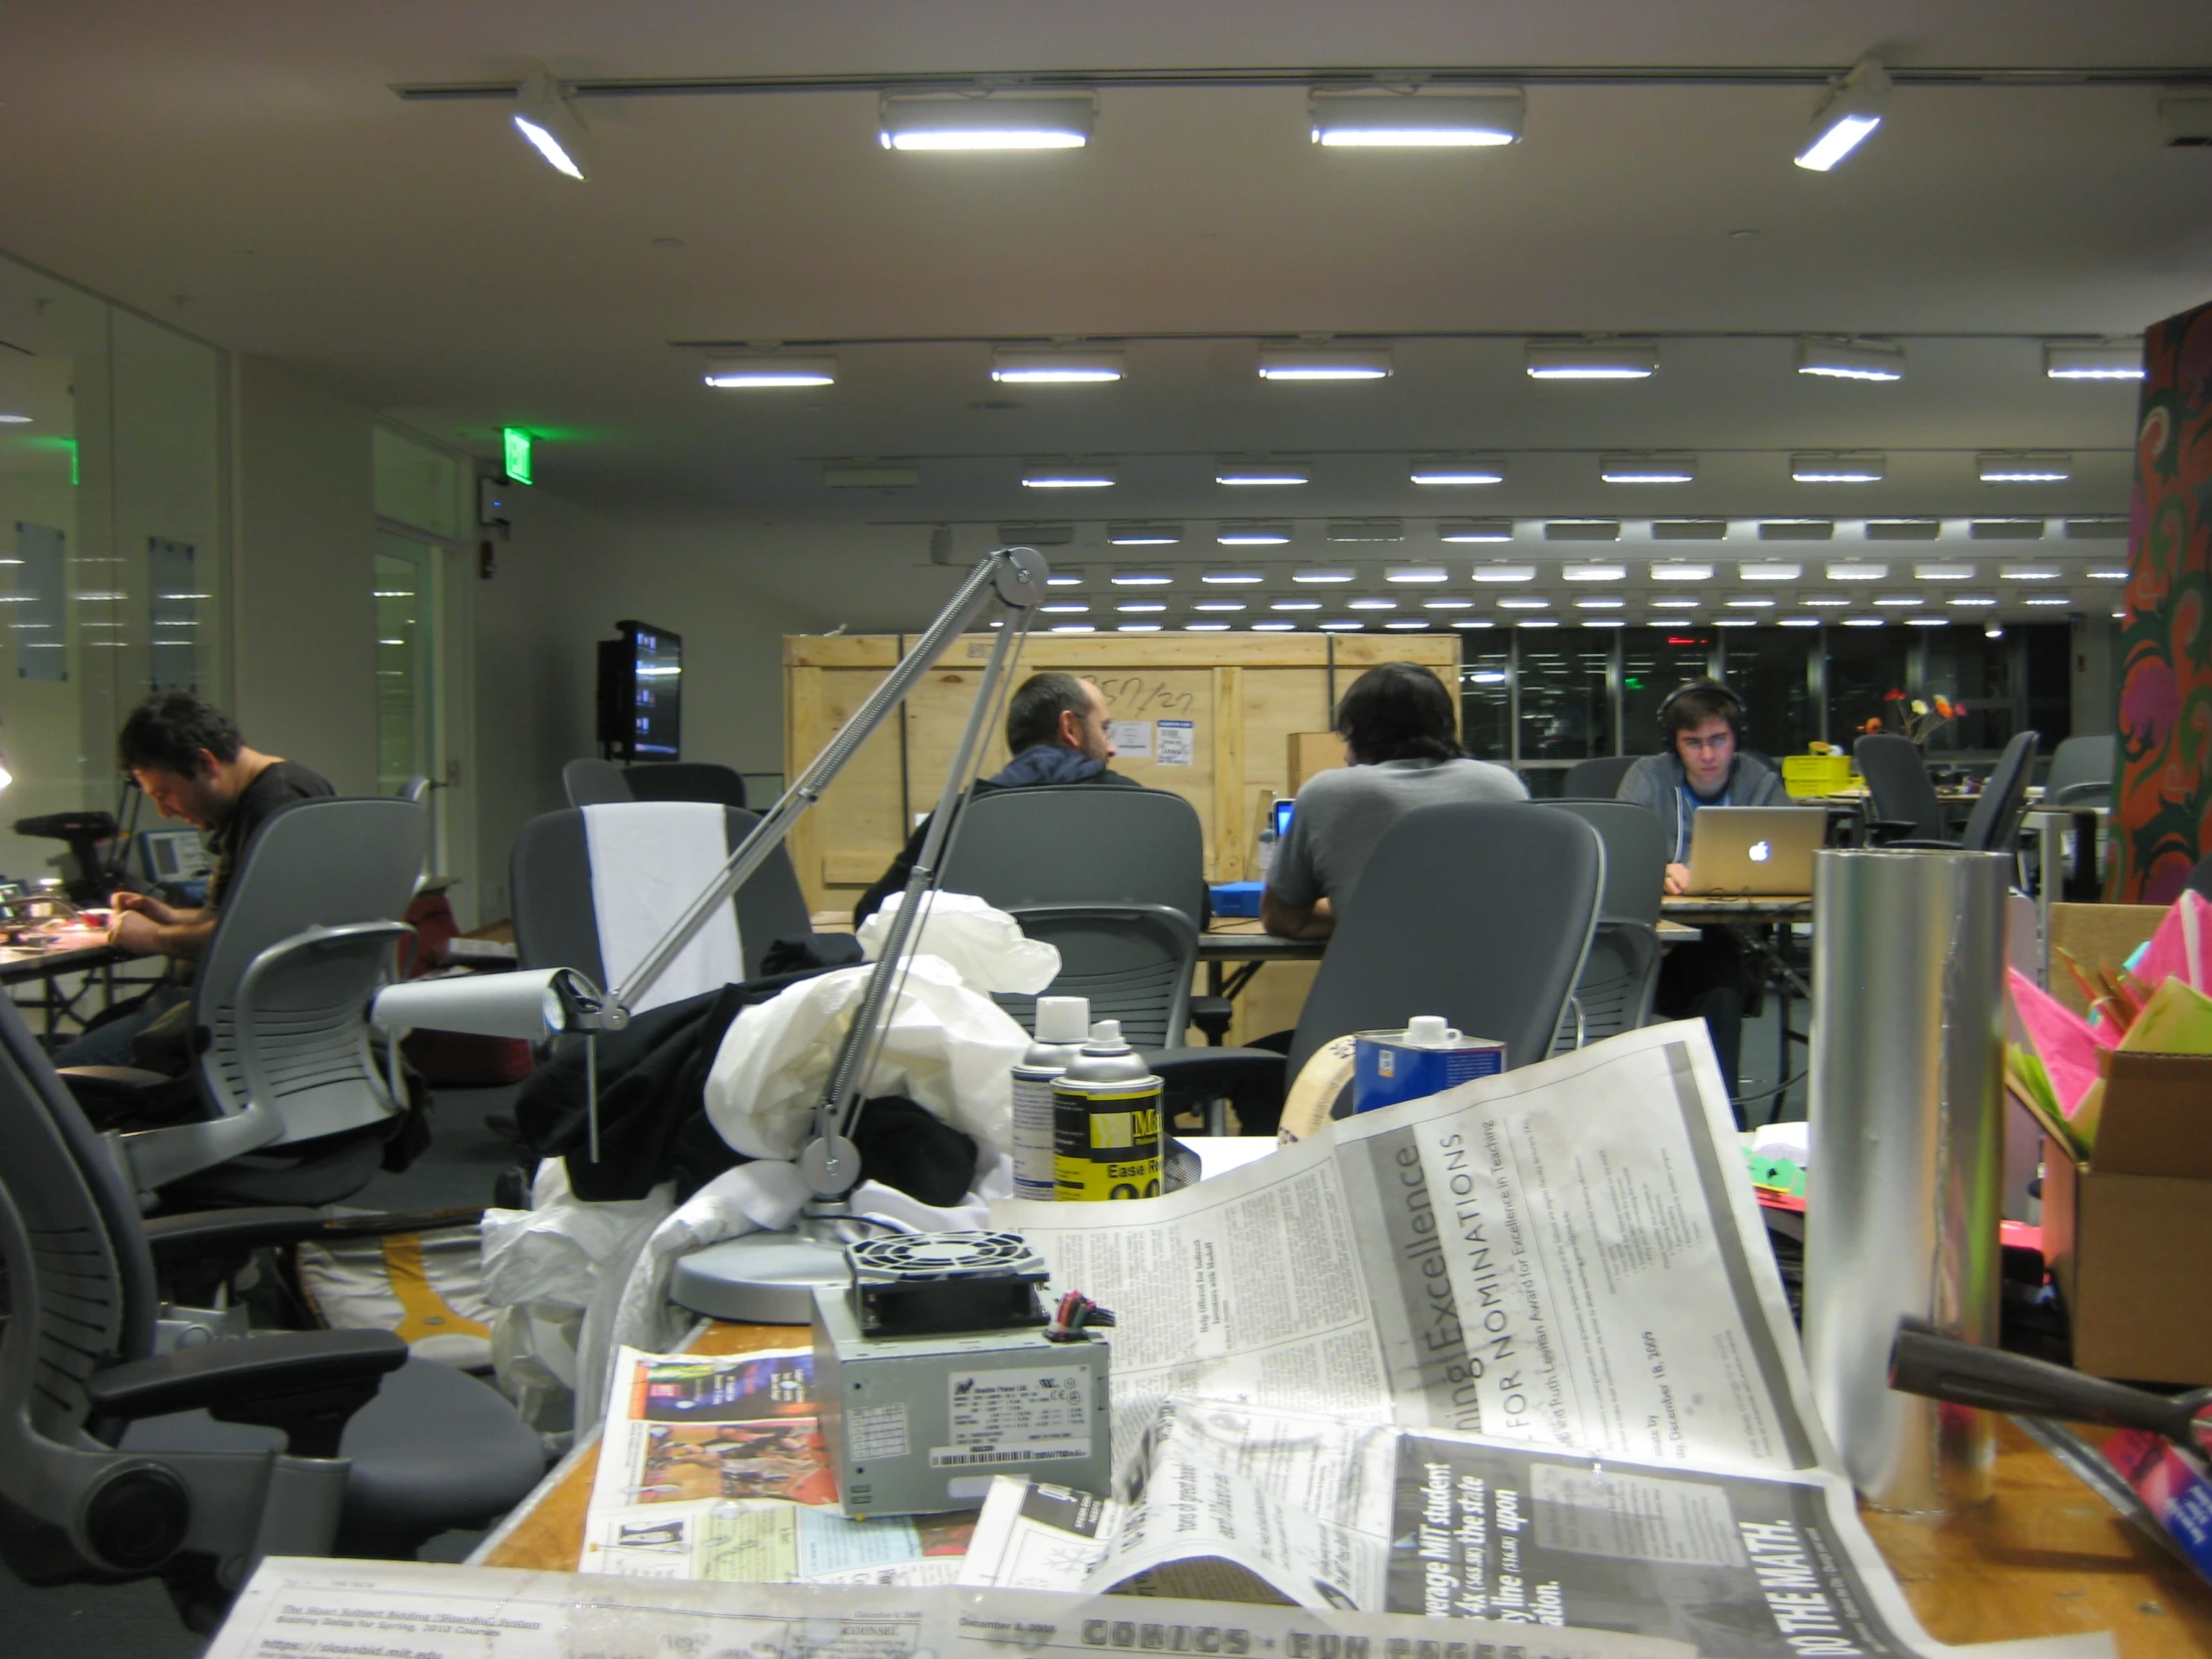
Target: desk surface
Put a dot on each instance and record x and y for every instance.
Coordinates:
(2045, 1557)
(18, 964)
(1704, 910)
(1242, 940)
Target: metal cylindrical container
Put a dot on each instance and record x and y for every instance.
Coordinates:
(1906, 1164)
(1106, 1122)
(1063, 1022)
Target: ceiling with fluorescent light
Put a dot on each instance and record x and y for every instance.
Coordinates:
(251, 158)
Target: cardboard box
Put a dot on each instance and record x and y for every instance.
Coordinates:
(1311, 752)
(2124, 1232)
(2094, 934)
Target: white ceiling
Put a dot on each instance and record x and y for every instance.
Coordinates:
(244, 170)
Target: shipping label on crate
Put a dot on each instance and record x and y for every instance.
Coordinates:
(1178, 745)
(1132, 739)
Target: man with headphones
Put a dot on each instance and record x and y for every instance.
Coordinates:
(1702, 766)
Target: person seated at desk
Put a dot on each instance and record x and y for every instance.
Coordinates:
(1401, 750)
(189, 758)
(1702, 767)
(1056, 731)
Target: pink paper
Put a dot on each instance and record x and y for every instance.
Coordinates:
(2064, 1041)
(2181, 947)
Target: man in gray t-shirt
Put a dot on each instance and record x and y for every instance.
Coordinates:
(1403, 752)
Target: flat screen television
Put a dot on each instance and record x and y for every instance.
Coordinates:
(641, 693)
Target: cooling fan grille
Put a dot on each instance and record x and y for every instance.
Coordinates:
(909, 1258)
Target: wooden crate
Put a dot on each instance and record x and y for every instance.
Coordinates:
(1244, 693)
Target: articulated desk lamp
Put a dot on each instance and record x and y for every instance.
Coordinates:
(769, 1278)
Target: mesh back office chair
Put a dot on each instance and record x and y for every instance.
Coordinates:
(1480, 912)
(2081, 772)
(1597, 779)
(684, 780)
(1994, 824)
(551, 881)
(1621, 973)
(307, 933)
(593, 783)
(1896, 772)
(113, 1462)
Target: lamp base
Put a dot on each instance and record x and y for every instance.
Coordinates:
(760, 1278)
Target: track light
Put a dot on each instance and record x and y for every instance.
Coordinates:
(2122, 361)
(991, 122)
(1846, 117)
(1850, 359)
(1324, 362)
(555, 131)
(769, 369)
(1648, 469)
(1052, 365)
(2021, 467)
(1419, 120)
(1592, 359)
(1829, 466)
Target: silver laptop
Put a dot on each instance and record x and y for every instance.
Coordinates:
(1755, 851)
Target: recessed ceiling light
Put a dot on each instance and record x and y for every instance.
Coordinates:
(1365, 529)
(1675, 571)
(544, 117)
(1831, 466)
(1145, 535)
(1928, 622)
(2026, 573)
(752, 371)
(1668, 602)
(1447, 604)
(1073, 628)
(1970, 601)
(1026, 365)
(1141, 578)
(1474, 529)
(1064, 610)
(1456, 469)
(1232, 577)
(1273, 627)
(1942, 573)
(1253, 535)
(1864, 622)
(1750, 604)
(1406, 625)
(1505, 573)
(1372, 605)
(1797, 622)
(1260, 474)
(1854, 571)
(1846, 117)
(2048, 599)
(2106, 360)
(1824, 601)
(962, 121)
(1421, 119)
(1537, 622)
(1204, 627)
(1593, 573)
(1524, 604)
(1899, 601)
(1647, 469)
(1069, 475)
(1417, 575)
(1339, 625)
(1136, 628)
(1592, 359)
(1599, 604)
(1324, 362)
(1218, 605)
(1139, 607)
(2023, 467)
(1768, 570)
(1320, 573)
(1295, 605)
(1850, 359)
(1904, 529)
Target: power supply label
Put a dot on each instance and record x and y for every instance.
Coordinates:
(1025, 1415)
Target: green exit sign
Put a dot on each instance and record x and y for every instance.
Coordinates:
(514, 445)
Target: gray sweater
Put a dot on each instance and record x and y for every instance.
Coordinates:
(1343, 813)
(1658, 781)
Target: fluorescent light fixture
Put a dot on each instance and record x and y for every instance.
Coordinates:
(1456, 469)
(1824, 601)
(1904, 529)
(751, 369)
(1487, 676)
(1340, 625)
(1857, 570)
(1971, 601)
(1928, 622)
(2106, 575)
(2005, 529)
(1139, 607)
(1582, 529)
(2109, 528)
(1026, 365)
(1220, 605)
(1942, 573)
(1371, 605)
(1604, 622)
(1846, 117)
(1295, 605)
(1689, 529)
(1260, 473)
(1672, 570)
(1141, 578)
(1423, 119)
(1671, 603)
(1505, 573)
(1273, 627)
(1325, 362)
(1769, 571)
(1524, 604)
(1735, 622)
(1898, 601)
(1025, 121)
(1796, 529)
(1599, 604)
(1864, 622)
(1073, 628)
(1461, 530)
(1797, 622)
(2104, 361)
(1830, 466)
(1592, 359)
(1537, 622)
(1850, 359)
(1593, 573)
(1367, 529)
(1204, 627)
(871, 477)
(1040, 535)
(1068, 475)
(2023, 467)
(1136, 627)
(1751, 604)
(1447, 604)
(2026, 573)
(1647, 469)
(1066, 609)
(2048, 599)
(1144, 535)
(1322, 573)
(1477, 622)
(1253, 535)
(1064, 579)
(1404, 625)
(1417, 575)
(25, 420)
(544, 116)
(1232, 577)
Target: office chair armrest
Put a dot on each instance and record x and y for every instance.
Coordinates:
(236, 1232)
(304, 1385)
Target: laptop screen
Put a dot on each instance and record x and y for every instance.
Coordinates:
(1283, 817)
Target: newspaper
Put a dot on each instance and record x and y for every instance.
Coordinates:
(1568, 1254)
(714, 1467)
(299, 1609)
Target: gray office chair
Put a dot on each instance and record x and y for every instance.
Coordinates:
(551, 882)
(1131, 961)
(118, 1462)
(593, 783)
(1597, 779)
(1622, 974)
(1480, 912)
(2082, 772)
(1904, 801)
(1994, 824)
(299, 1112)
(684, 781)
(415, 789)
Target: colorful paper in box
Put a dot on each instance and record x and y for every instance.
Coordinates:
(2170, 1485)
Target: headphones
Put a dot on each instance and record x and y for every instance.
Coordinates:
(1733, 713)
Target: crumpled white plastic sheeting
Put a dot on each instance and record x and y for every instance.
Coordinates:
(986, 948)
(554, 1273)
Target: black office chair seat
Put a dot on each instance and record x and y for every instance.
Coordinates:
(310, 1173)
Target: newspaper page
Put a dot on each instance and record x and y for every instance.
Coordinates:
(300, 1609)
(1568, 1254)
(714, 1466)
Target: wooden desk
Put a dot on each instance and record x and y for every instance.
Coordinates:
(2045, 1557)
(20, 967)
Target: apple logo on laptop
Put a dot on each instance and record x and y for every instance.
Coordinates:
(1760, 852)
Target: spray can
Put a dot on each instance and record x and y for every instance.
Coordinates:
(1106, 1120)
(1062, 1024)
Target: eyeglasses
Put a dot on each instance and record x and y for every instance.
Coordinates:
(1715, 744)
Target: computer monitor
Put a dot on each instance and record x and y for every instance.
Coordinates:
(1282, 808)
(172, 855)
(641, 693)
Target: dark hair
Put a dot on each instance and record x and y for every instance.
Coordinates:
(1694, 703)
(1034, 712)
(168, 731)
(1398, 711)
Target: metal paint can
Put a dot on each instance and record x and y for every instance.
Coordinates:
(1063, 1022)
(1106, 1122)
(1425, 1058)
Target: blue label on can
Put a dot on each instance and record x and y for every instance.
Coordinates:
(1387, 1069)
